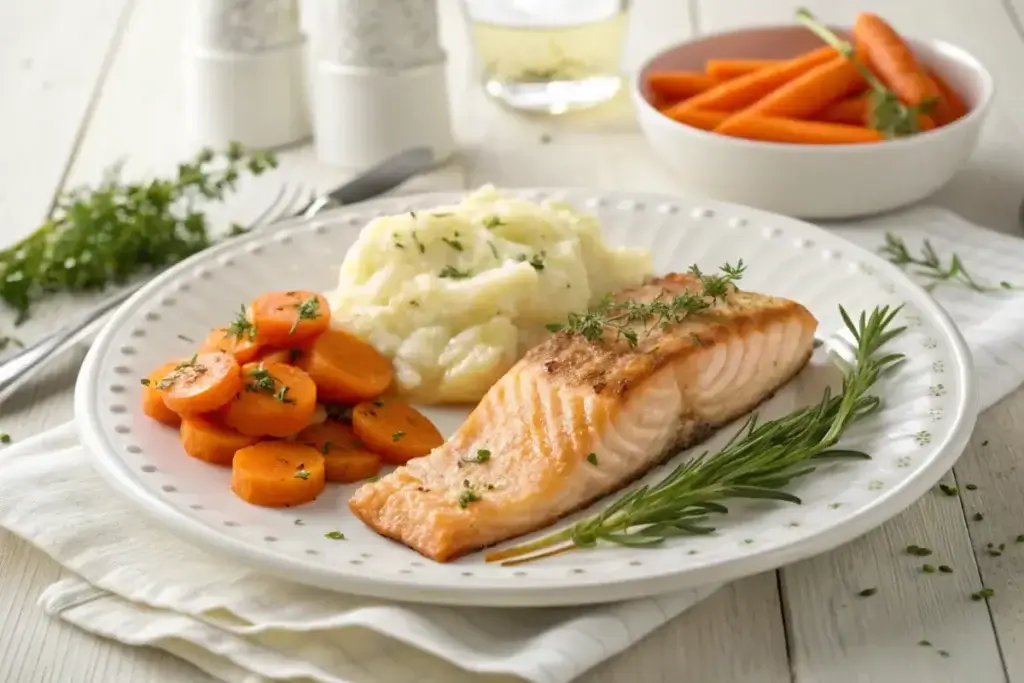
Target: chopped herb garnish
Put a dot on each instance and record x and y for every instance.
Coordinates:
(335, 535)
(440, 214)
(453, 273)
(5, 437)
(298, 522)
(302, 473)
(994, 552)
(924, 643)
(378, 402)
(492, 222)
(977, 516)
(494, 250)
(948, 490)
(867, 592)
(943, 653)
(185, 367)
(373, 478)
(307, 310)
(918, 551)
(1020, 538)
(985, 442)
(697, 340)
(983, 594)
(282, 395)
(241, 326)
(537, 262)
(419, 245)
(945, 569)
(483, 455)
(413, 302)
(261, 381)
(592, 458)
(412, 214)
(397, 242)
(397, 436)
(145, 382)
(326, 448)
(468, 496)
(454, 244)
(928, 568)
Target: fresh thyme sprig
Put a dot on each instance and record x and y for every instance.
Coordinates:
(760, 460)
(110, 233)
(628, 319)
(887, 113)
(929, 265)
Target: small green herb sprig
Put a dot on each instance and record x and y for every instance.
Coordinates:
(110, 233)
(929, 265)
(886, 112)
(759, 461)
(629, 319)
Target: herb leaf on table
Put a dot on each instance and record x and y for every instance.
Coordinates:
(108, 234)
(929, 265)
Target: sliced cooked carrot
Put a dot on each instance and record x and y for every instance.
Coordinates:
(225, 339)
(678, 85)
(201, 384)
(726, 69)
(345, 457)
(277, 474)
(741, 92)
(810, 92)
(153, 401)
(801, 132)
(394, 429)
(284, 319)
(276, 400)
(892, 59)
(698, 118)
(950, 106)
(207, 440)
(345, 368)
(286, 356)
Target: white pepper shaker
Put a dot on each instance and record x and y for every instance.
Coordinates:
(380, 84)
(245, 73)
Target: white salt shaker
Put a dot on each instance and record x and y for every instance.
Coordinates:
(379, 80)
(245, 73)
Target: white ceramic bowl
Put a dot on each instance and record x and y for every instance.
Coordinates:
(812, 181)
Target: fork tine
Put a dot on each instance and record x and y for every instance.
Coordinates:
(288, 208)
(260, 219)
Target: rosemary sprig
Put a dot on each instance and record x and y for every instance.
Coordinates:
(929, 265)
(629, 319)
(888, 114)
(759, 461)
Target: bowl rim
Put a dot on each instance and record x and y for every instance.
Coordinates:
(962, 55)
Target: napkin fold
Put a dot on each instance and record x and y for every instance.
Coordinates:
(140, 585)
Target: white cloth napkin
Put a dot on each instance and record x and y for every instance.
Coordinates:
(140, 585)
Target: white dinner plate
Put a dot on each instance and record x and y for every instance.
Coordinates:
(930, 407)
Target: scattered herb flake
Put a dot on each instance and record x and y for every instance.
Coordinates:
(592, 459)
(985, 442)
(241, 326)
(145, 382)
(282, 395)
(867, 592)
(454, 244)
(943, 653)
(466, 497)
(928, 568)
(416, 241)
(302, 473)
(483, 455)
(307, 310)
(971, 487)
(335, 535)
(945, 569)
(373, 478)
(924, 643)
(948, 490)
(983, 594)
(918, 551)
(397, 436)
(491, 222)
(1020, 538)
(494, 251)
(977, 516)
(5, 437)
(298, 522)
(453, 273)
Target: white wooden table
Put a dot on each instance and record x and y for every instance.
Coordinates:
(86, 83)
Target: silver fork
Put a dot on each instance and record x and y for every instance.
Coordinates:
(18, 367)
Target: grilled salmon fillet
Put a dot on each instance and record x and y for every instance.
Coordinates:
(575, 420)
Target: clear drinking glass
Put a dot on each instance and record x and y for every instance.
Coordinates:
(549, 56)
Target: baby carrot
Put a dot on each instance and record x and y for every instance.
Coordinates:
(892, 59)
(809, 92)
(207, 440)
(153, 401)
(345, 457)
(395, 429)
(276, 400)
(852, 110)
(795, 131)
(284, 319)
(277, 474)
(698, 118)
(345, 368)
(678, 85)
(726, 69)
(950, 106)
(201, 384)
(743, 91)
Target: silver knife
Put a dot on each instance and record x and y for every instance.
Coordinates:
(19, 366)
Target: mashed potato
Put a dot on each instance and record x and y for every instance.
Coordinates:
(455, 295)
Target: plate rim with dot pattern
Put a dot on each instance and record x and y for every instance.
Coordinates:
(841, 502)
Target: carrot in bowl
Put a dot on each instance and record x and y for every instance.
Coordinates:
(284, 319)
(153, 405)
(950, 106)
(395, 429)
(726, 69)
(678, 85)
(277, 474)
(855, 111)
(891, 58)
(200, 384)
(346, 458)
(810, 92)
(771, 129)
(698, 118)
(741, 92)
(345, 368)
(206, 439)
(276, 400)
